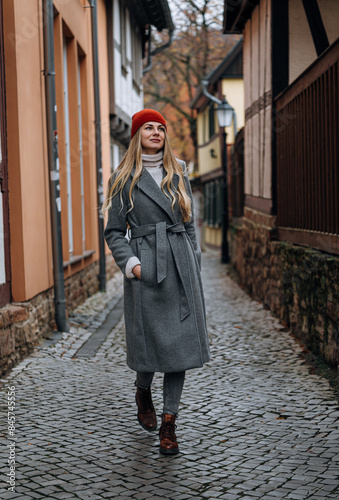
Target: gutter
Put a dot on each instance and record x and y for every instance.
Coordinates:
(53, 165)
(157, 50)
(100, 187)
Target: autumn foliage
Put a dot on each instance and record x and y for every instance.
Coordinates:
(197, 48)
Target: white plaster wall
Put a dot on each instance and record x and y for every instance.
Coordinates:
(329, 10)
(248, 157)
(256, 167)
(302, 51)
(247, 94)
(116, 156)
(247, 62)
(128, 36)
(126, 97)
(255, 63)
(267, 155)
(301, 47)
(265, 78)
(257, 80)
(116, 21)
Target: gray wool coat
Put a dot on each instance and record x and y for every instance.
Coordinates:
(164, 310)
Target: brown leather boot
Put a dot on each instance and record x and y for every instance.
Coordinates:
(146, 413)
(168, 439)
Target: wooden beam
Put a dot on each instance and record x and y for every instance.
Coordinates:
(328, 243)
(316, 25)
(261, 204)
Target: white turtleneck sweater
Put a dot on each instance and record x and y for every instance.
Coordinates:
(153, 165)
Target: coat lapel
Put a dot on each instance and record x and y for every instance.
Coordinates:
(148, 185)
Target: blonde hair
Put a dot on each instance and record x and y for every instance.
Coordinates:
(133, 158)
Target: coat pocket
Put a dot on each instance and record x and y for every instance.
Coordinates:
(148, 267)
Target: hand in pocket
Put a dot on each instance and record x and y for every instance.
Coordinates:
(137, 271)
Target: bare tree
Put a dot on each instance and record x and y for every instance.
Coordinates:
(177, 72)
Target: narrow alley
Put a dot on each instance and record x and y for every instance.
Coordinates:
(254, 422)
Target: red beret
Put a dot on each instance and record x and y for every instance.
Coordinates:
(144, 116)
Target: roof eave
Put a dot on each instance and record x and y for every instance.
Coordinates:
(154, 12)
(199, 100)
(221, 69)
(236, 16)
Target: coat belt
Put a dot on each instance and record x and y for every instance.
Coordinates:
(160, 229)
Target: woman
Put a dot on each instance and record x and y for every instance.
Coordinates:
(149, 195)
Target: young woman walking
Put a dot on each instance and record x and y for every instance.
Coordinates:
(149, 198)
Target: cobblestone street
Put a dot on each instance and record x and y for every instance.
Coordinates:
(254, 422)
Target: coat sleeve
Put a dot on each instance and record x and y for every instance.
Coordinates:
(115, 233)
(190, 225)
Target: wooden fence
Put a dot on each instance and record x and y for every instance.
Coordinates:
(307, 156)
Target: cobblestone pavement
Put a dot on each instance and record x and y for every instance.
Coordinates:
(254, 423)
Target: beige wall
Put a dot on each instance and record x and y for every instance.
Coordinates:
(104, 92)
(233, 90)
(301, 47)
(31, 248)
(213, 236)
(203, 126)
(31, 263)
(205, 161)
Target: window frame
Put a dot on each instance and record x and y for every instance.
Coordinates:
(123, 38)
(136, 58)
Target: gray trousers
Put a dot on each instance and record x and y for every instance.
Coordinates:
(172, 388)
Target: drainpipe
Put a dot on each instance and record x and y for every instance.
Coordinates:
(100, 187)
(53, 165)
(157, 50)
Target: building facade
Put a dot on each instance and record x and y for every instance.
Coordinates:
(287, 244)
(226, 80)
(27, 281)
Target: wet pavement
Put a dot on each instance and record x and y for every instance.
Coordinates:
(254, 422)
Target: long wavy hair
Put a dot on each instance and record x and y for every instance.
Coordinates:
(133, 158)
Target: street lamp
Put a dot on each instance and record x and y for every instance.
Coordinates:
(225, 115)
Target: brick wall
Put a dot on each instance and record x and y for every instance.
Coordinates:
(23, 325)
(299, 284)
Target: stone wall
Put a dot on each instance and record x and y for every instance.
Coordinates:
(23, 325)
(299, 284)
(85, 283)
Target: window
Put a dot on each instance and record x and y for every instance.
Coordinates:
(115, 156)
(136, 58)
(123, 40)
(68, 151)
(213, 198)
(81, 158)
(75, 132)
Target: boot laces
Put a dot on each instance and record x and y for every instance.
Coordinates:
(168, 430)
